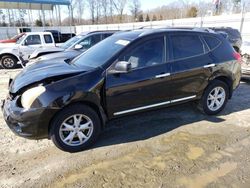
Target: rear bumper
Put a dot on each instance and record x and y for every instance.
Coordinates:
(246, 72)
(31, 124)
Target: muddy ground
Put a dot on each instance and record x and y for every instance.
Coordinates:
(174, 147)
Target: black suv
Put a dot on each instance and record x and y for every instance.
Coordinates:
(129, 72)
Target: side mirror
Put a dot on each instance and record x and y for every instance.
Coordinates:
(78, 47)
(122, 67)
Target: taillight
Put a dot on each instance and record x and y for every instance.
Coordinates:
(237, 56)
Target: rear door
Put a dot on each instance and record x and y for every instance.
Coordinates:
(48, 40)
(146, 86)
(190, 62)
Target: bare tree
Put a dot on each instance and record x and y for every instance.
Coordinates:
(98, 11)
(120, 6)
(79, 5)
(135, 8)
(105, 9)
(204, 8)
(92, 8)
(111, 10)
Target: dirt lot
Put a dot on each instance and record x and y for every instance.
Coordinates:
(174, 147)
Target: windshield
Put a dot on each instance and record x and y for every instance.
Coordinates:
(71, 41)
(20, 39)
(16, 37)
(101, 52)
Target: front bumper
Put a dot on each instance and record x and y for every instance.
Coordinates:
(30, 123)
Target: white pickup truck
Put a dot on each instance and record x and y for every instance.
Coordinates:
(12, 54)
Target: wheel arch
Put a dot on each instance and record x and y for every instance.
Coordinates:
(9, 54)
(99, 110)
(227, 80)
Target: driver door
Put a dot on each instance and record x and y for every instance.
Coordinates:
(146, 85)
(30, 44)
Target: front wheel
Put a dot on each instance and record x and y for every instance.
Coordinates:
(75, 128)
(214, 98)
(9, 62)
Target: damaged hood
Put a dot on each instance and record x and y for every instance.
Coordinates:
(67, 54)
(44, 70)
(45, 50)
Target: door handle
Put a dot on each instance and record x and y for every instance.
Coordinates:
(209, 65)
(162, 75)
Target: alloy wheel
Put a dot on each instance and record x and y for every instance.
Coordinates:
(216, 98)
(76, 130)
(8, 62)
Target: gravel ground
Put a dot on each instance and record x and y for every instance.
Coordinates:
(173, 147)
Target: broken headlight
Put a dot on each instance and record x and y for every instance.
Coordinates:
(29, 96)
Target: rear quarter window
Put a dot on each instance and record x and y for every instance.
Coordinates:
(186, 46)
(212, 42)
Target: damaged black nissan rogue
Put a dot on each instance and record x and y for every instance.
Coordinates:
(129, 72)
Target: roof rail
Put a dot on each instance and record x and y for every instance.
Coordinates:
(204, 29)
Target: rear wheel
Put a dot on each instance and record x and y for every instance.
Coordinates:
(214, 98)
(75, 128)
(9, 62)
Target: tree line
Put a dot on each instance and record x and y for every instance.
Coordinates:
(123, 11)
(113, 11)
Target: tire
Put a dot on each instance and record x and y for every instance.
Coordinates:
(77, 115)
(206, 104)
(9, 62)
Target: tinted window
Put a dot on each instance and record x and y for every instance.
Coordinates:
(212, 42)
(146, 54)
(71, 41)
(48, 39)
(86, 43)
(95, 39)
(33, 40)
(107, 35)
(185, 46)
(90, 41)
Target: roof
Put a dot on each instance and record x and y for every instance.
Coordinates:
(32, 4)
(100, 31)
(37, 33)
(134, 34)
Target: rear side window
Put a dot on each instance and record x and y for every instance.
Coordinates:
(185, 46)
(48, 39)
(212, 42)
